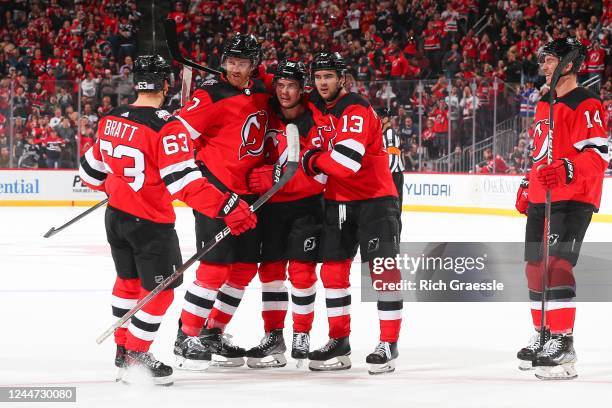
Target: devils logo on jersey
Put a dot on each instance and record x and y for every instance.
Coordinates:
(324, 133)
(539, 146)
(253, 132)
(275, 146)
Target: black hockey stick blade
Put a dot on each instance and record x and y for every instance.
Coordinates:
(175, 51)
(49, 233)
(54, 230)
(293, 157)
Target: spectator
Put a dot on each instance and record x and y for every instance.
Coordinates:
(65, 131)
(5, 157)
(124, 84)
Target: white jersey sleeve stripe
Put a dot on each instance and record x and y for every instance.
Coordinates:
(192, 132)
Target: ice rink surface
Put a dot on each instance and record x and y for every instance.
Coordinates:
(55, 300)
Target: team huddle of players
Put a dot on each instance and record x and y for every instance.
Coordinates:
(342, 198)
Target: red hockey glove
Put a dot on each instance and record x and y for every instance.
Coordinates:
(309, 159)
(559, 173)
(261, 179)
(237, 214)
(522, 201)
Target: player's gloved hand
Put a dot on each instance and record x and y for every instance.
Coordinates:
(261, 179)
(237, 214)
(559, 173)
(309, 159)
(522, 201)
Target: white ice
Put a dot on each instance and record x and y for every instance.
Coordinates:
(55, 297)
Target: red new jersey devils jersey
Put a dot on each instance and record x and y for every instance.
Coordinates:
(355, 160)
(143, 159)
(300, 186)
(578, 135)
(228, 125)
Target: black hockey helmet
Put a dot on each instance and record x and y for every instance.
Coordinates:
(243, 46)
(561, 47)
(150, 71)
(291, 70)
(328, 61)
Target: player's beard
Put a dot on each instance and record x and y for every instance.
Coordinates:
(333, 97)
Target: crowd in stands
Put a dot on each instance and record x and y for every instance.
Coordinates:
(470, 57)
(48, 50)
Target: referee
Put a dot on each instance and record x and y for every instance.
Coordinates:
(396, 161)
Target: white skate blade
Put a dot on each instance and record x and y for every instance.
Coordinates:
(334, 364)
(119, 374)
(137, 376)
(300, 363)
(525, 365)
(183, 363)
(561, 372)
(273, 361)
(224, 362)
(387, 367)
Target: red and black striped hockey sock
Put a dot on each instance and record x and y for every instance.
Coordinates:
(230, 294)
(274, 295)
(201, 295)
(303, 292)
(560, 307)
(335, 278)
(124, 298)
(145, 323)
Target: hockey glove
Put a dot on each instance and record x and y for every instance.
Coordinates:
(522, 201)
(237, 214)
(261, 179)
(559, 173)
(309, 159)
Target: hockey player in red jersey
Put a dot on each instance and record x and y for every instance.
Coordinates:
(143, 159)
(290, 225)
(361, 209)
(575, 178)
(227, 118)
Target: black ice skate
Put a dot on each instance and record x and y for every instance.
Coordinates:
(333, 356)
(527, 354)
(270, 353)
(120, 362)
(557, 358)
(382, 359)
(190, 353)
(300, 347)
(142, 365)
(224, 353)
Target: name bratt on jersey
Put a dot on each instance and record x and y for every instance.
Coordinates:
(253, 132)
(114, 128)
(540, 140)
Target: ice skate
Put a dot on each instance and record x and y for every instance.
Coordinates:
(270, 353)
(527, 354)
(224, 353)
(300, 348)
(190, 354)
(557, 359)
(333, 356)
(143, 366)
(120, 362)
(382, 359)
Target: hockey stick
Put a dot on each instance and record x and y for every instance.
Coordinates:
(54, 230)
(293, 146)
(175, 52)
(186, 85)
(563, 63)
